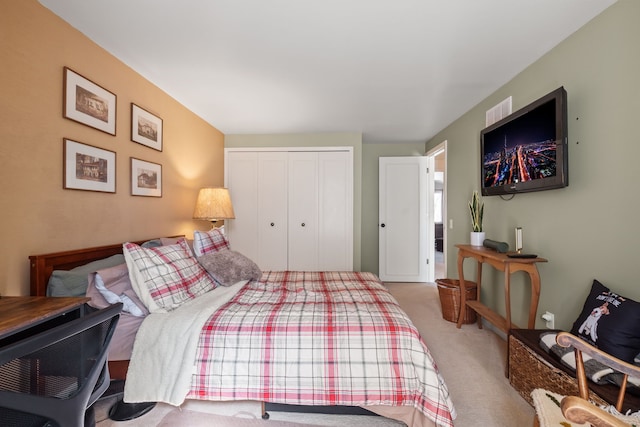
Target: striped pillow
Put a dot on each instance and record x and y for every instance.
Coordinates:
(165, 277)
(209, 241)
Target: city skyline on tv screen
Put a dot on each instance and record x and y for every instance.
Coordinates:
(521, 150)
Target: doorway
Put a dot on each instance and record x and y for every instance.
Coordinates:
(438, 160)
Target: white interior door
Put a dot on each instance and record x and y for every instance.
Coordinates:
(403, 219)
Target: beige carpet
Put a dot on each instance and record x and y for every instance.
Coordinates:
(471, 360)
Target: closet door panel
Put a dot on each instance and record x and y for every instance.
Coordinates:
(272, 211)
(303, 211)
(335, 197)
(242, 182)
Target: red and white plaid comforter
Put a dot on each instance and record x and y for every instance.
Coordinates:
(318, 338)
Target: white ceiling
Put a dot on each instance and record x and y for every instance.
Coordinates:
(395, 70)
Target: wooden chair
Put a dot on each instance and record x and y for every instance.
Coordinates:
(578, 409)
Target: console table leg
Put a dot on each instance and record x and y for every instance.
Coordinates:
(507, 295)
(478, 288)
(535, 295)
(463, 291)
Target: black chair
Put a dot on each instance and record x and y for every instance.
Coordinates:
(52, 378)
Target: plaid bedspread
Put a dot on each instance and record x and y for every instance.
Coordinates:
(318, 338)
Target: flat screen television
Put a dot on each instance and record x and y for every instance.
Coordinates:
(527, 150)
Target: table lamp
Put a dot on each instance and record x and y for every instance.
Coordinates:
(213, 204)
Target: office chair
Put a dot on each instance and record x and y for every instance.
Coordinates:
(53, 377)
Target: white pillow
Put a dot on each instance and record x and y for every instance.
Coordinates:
(112, 285)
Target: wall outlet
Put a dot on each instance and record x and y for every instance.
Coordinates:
(550, 319)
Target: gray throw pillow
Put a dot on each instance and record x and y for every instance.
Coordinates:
(228, 267)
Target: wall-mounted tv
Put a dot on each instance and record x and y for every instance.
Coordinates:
(527, 150)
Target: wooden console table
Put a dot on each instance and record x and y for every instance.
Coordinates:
(500, 262)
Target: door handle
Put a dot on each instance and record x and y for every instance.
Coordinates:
(383, 225)
(303, 224)
(272, 224)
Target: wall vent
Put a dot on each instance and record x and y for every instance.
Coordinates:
(498, 112)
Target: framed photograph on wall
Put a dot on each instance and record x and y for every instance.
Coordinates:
(146, 128)
(87, 103)
(90, 168)
(146, 178)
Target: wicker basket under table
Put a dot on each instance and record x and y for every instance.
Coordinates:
(530, 367)
(449, 292)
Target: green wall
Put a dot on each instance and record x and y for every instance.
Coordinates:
(588, 229)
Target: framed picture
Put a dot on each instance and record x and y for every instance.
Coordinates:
(87, 103)
(146, 178)
(90, 168)
(146, 128)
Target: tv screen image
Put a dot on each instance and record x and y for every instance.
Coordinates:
(523, 149)
(526, 151)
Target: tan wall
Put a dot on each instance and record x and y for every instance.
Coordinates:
(589, 229)
(38, 215)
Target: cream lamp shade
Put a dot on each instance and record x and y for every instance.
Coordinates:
(213, 204)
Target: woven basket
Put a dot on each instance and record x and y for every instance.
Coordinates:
(527, 372)
(449, 291)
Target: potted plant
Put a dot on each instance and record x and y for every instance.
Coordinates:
(476, 209)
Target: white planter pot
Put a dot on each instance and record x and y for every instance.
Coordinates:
(477, 238)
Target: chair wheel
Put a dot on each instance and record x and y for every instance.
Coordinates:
(265, 416)
(122, 411)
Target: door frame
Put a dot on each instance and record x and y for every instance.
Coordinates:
(440, 149)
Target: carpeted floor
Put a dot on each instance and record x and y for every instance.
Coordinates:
(471, 360)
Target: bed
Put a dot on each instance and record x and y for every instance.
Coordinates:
(279, 358)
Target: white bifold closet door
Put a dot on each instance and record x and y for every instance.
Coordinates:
(294, 209)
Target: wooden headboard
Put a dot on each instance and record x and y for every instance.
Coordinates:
(41, 267)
